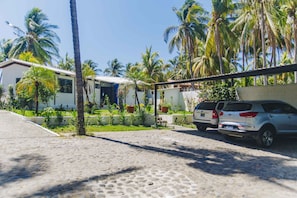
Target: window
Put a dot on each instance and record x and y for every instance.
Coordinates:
(65, 85)
(97, 86)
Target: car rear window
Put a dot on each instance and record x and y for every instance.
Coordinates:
(206, 105)
(238, 107)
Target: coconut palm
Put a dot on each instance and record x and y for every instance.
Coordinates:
(93, 65)
(151, 65)
(192, 26)
(35, 81)
(115, 68)
(79, 80)
(290, 26)
(38, 37)
(5, 46)
(67, 63)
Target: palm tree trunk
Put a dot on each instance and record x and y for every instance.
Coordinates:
(79, 81)
(295, 46)
(36, 96)
(218, 46)
(263, 39)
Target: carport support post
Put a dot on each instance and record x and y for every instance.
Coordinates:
(156, 110)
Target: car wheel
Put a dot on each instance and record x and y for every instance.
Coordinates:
(201, 128)
(265, 137)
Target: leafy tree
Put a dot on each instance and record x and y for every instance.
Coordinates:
(192, 26)
(38, 38)
(115, 68)
(35, 81)
(79, 80)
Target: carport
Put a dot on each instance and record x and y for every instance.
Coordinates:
(232, 76)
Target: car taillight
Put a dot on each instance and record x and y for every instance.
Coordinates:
(248, 114)
(214, 114)
(221, 113)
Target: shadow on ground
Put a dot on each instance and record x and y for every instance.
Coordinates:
(225, 162)
(77, 188)
(283, 145)
(23, 167)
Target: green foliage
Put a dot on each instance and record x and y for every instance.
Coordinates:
(47, 113)
(220, 91)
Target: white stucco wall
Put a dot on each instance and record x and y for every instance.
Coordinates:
(10, 74)
(287, 93)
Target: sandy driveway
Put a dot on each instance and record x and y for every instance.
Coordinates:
(158, 163)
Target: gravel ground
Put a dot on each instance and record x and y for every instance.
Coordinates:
(160, 163)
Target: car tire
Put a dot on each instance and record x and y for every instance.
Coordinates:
(265, 137)
(201, 128)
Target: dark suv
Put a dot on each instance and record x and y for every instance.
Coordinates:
(262, 120)
(206, 114)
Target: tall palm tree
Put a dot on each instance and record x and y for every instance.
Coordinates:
(192, 26)
(79, 80)
(290, 8)
(219, 28)
(151, 65)
(115, 68)
(38, 37)
(35, 80)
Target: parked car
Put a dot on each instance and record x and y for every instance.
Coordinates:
(206, 114)
(261, 120)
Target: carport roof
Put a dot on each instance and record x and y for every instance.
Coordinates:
(258, 72)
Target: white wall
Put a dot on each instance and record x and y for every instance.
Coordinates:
(287, 93)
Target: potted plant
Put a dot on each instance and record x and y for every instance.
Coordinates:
(165, 107)
(130, 108)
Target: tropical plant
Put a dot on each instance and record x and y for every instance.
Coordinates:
(35, 81)
(115, 68)
(87, 72)
(67, 63)
(5, 46)
(192, 26)
(28, 56)
(38, 37)
(151, 66)
(79, 80)
(135, 75)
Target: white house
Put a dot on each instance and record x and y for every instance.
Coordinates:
(11, 72)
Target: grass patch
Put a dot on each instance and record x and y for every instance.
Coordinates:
(99, 128)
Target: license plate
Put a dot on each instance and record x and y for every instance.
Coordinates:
(229, 127)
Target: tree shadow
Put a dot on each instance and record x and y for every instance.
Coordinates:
(77, 186)
(26, 166)
(226, 162)
(284, 145)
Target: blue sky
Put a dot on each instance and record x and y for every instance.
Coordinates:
(108, 29)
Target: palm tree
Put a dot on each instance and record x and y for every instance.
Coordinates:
(290, 8)
(115, 68)
(151, 66)
(38, 38)
(67, 63)
(192, 18)
(135, 75)
(93, 65)
(87, 72)
(219, 28)
(5, 46)
(36, 80)
(79, 80)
